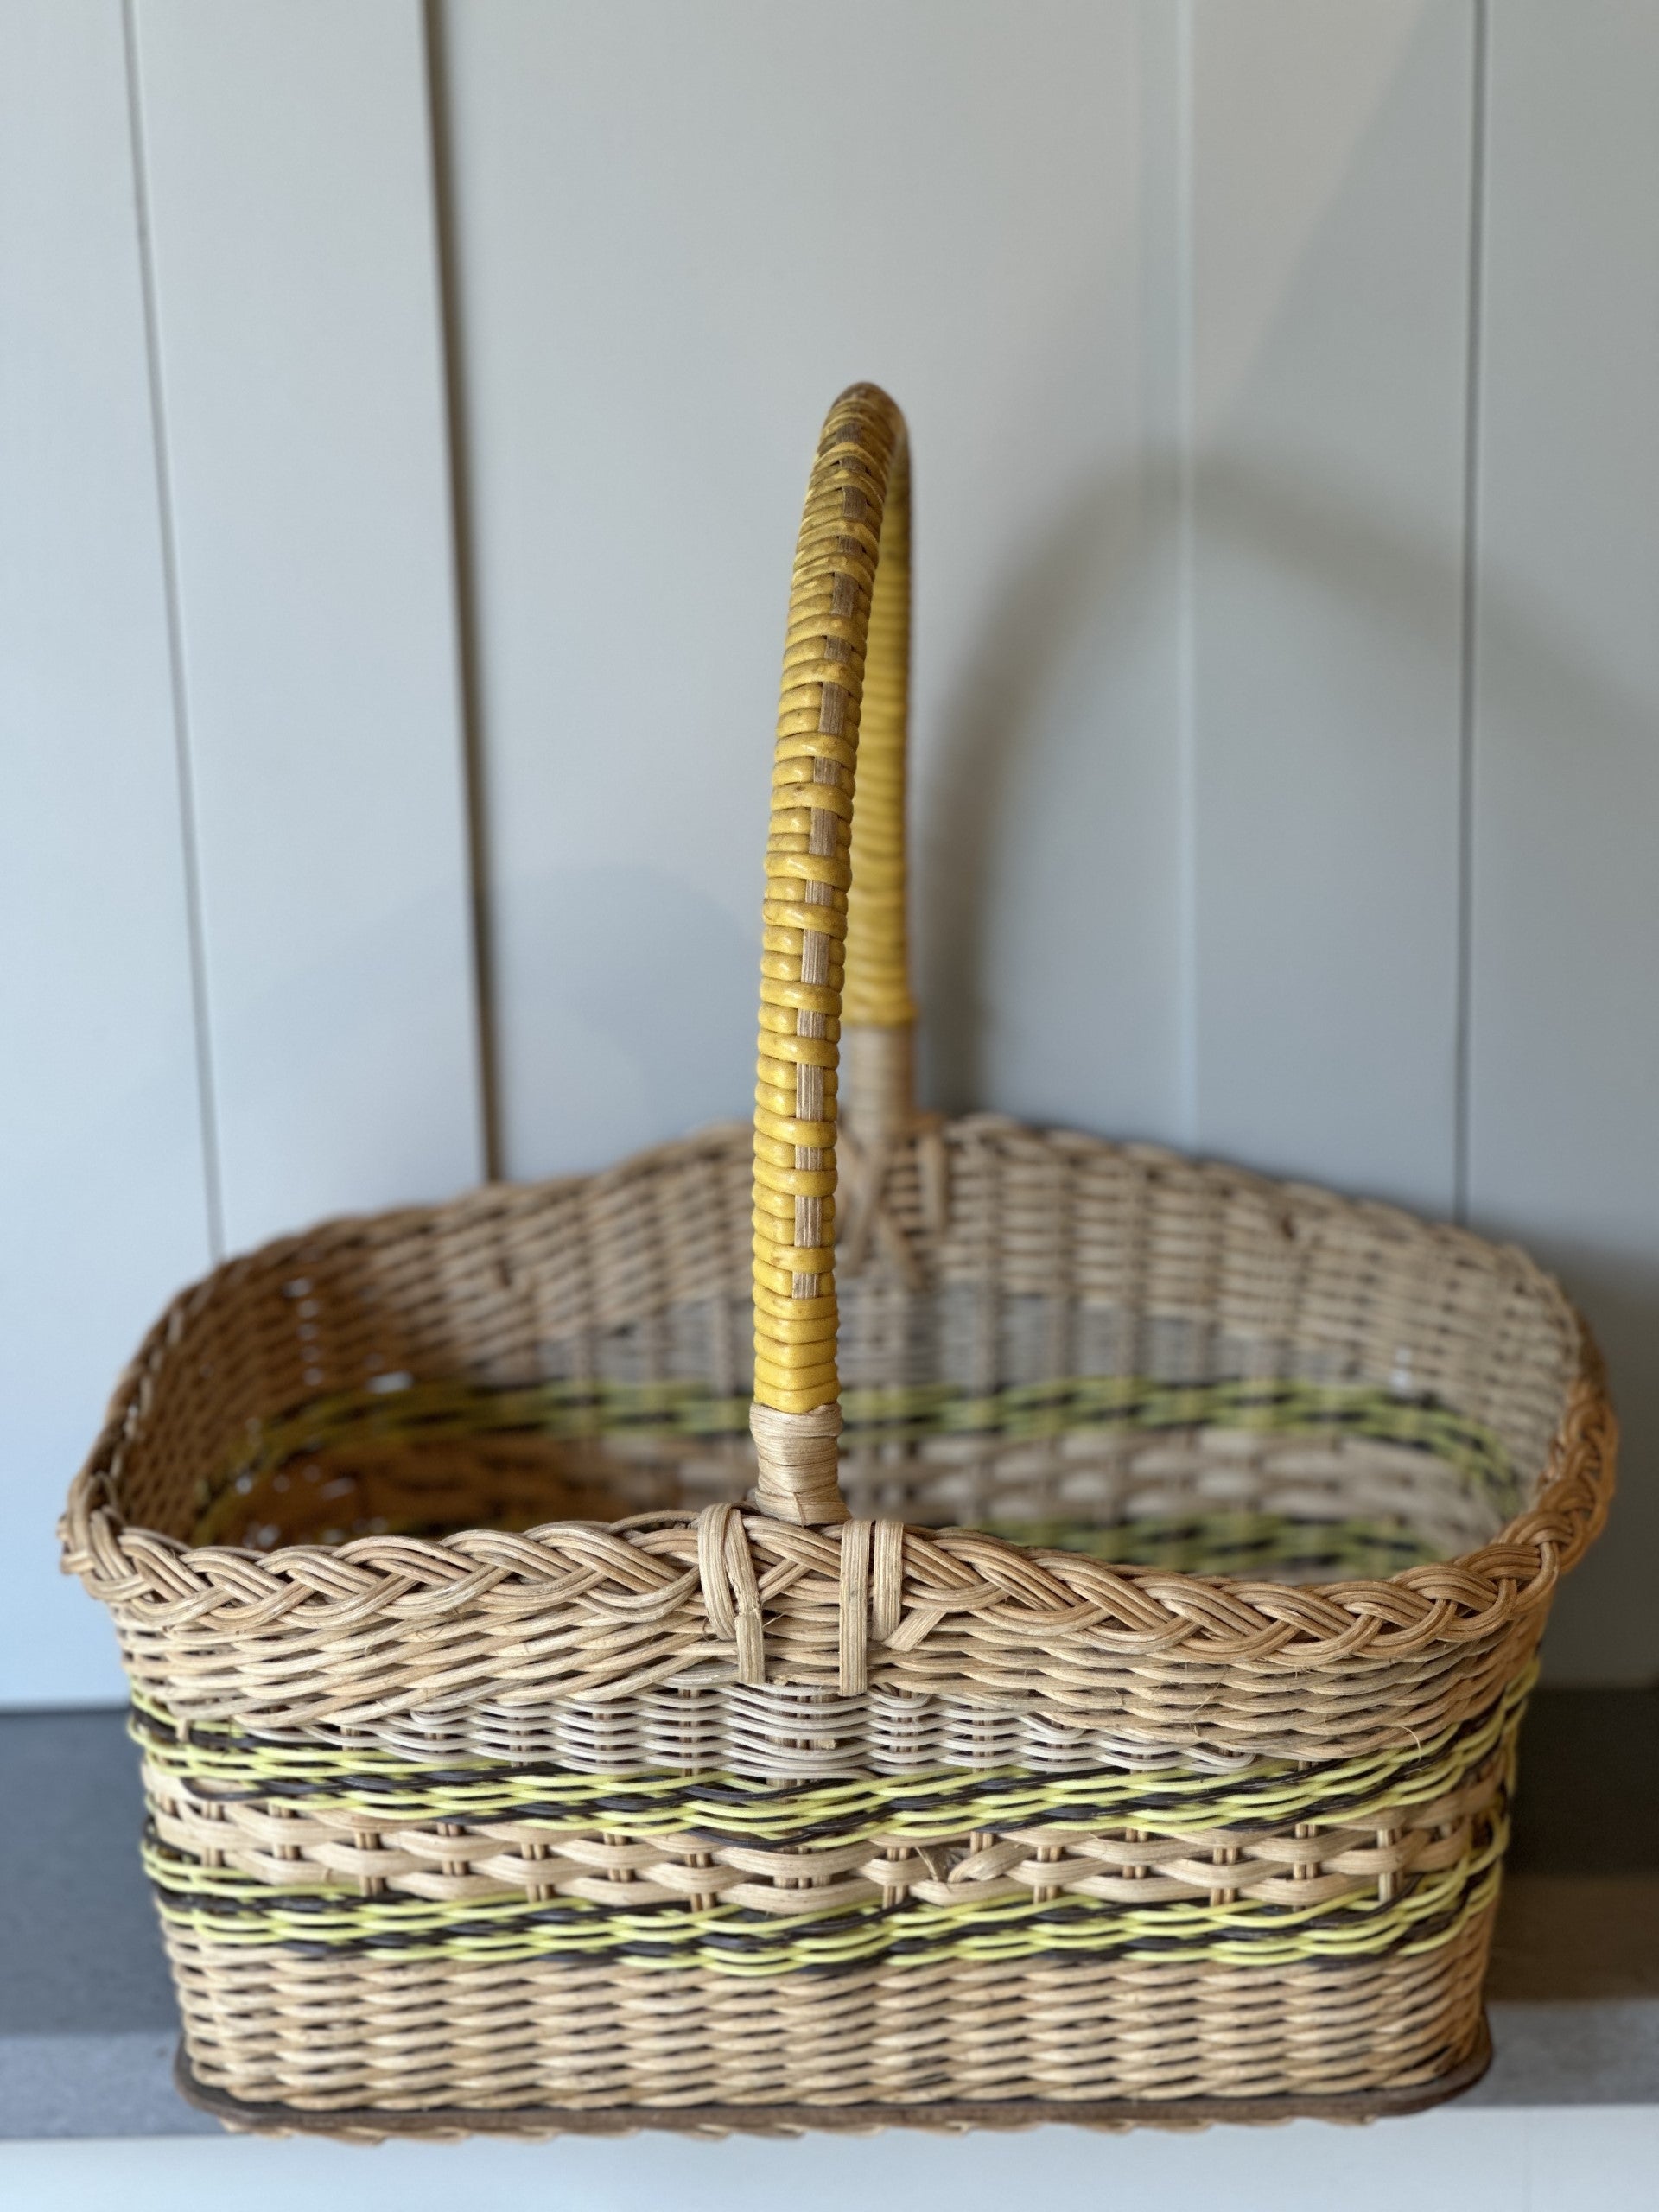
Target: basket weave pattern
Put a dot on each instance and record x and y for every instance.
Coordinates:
(253, 1848)
(1260, 1278)
(590, 1659)
(345, 2038)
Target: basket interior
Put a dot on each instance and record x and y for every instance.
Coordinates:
(1068, 1342)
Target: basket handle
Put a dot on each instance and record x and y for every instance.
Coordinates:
(842, 707)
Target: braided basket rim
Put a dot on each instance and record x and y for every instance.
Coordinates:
(1030, 1591)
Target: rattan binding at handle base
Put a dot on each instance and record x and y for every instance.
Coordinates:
(947, 2117)
(823, 953)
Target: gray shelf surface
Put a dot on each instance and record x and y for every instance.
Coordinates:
(88, 2028)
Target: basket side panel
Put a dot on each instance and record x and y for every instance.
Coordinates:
(321, 2034)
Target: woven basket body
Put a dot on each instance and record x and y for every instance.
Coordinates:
(1124, 1725)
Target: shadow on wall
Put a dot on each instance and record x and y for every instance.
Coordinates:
(1114, 549)
(1088, 590)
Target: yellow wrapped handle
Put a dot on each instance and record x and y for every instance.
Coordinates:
(829, 948)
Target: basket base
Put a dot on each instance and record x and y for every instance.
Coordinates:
(945, 2117)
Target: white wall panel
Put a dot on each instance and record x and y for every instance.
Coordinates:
(288, 167)
(1563, 1141)
(1177, 296)
(1329, 273)
(681, 232)
(101, 1188)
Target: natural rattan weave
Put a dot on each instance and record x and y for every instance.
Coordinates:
(1053, 1634)
(1200, 1271)
(319, 2033)
(1335, 1860)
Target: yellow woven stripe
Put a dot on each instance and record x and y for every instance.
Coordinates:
(804, 915)
(430, 1413)
(323, 1911)
(877, 989)
(1360, 1792)
(1061, 1404)
(1430, 1913)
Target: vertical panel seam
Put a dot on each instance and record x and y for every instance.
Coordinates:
(1186, 958)
(1468, 671)
(463, 578)
(183, 758)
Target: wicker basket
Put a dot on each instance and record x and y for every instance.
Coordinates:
(1115, 1719)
